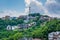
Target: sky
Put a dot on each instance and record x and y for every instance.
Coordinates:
(12, 5)
(21, 7)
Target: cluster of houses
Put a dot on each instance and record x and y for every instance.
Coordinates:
(29, 38)
(20, 26)
(8, 17)
(26, 25)
(26, 18)
(54, 36)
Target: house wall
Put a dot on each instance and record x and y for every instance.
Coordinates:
(36, 39)
(54, 36)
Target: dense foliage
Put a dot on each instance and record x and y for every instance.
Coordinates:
(4, 23)
(34, 32)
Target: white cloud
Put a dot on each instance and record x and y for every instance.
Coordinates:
(11, 13)
(34, 4)
(53, 8)
(27, 2)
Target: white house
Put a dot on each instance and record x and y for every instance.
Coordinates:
(47, 18)
(54, 36)
(19, 26)
(9, 27)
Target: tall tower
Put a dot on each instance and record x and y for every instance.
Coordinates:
(29, 10)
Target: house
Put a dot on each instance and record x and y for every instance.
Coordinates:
(54, 36)
(23, 26)
(45, 18)
(33, 24)
(12, 18)
(9, 27)
(36, 39)
(30, 17)
(22, 17)
(25, 38)
(19, 26)
(6, 17)
(29, 38)
(26, 26)
(27, 19)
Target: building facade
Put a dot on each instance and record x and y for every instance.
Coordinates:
(54, 36)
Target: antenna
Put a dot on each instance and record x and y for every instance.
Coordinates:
(29, 9)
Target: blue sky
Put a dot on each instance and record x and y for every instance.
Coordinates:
(18, 7)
